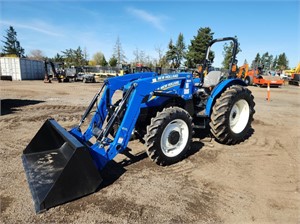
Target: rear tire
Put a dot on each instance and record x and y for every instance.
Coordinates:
(232, 115)
(169, 136)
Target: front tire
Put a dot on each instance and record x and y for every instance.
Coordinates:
(232, 115)
(169, 136)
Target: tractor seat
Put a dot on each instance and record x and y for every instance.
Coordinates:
(212, 78)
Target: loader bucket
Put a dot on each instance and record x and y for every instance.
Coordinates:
(58, 167)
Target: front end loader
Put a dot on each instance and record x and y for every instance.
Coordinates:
(163, 110)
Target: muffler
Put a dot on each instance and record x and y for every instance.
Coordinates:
(58, 167)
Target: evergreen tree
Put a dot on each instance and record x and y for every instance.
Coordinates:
(267, 61)
(58, 58)
(271, 62)
(256, 62)
(79, 57)
(11, 44)
(176, 53)
(69, 57)
(103, 61)
(113, 61)
(282, 62)
(180, 50)
(171, 54)
(197, 48)
(74, 57)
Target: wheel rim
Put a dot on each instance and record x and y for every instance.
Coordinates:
(239, 116)
(174, 138)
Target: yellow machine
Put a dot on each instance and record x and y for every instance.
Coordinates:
(295, 76)
(297, 69)
(126, 69)
(292, 71)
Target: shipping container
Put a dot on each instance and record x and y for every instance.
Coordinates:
(22, 68)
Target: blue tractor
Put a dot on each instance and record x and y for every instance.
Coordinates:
(163, 109)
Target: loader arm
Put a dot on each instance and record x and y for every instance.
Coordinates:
(109, 87)
(138, 93)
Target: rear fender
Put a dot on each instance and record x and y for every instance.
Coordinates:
(218, 90)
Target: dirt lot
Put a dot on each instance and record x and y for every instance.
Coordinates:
(256, 181)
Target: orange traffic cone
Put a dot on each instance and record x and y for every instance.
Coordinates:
(268, 92)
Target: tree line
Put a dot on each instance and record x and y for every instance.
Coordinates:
(269, 62)
(177, 54)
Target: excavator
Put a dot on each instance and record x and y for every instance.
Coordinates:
(295, 77)
(52, 67)
(60, 74)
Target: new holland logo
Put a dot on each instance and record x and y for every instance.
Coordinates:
(169, 85)
(164, 77)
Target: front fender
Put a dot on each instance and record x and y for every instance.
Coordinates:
(218, 90)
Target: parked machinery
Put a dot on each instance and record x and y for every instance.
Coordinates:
(48, 70)
(295, 77)
(258, 77)
(58, 71)
(127, 69)
(163, 109)
(124, 70)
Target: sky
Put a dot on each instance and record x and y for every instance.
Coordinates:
(54, 26)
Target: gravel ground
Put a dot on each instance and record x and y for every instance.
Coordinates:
(256, 181)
